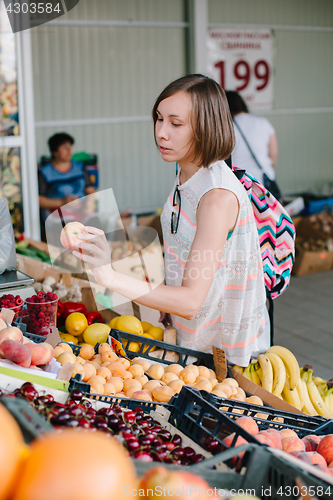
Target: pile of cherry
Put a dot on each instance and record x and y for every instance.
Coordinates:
(143, 436)
(42, 309)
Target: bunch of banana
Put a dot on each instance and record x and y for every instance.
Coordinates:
(320, 394)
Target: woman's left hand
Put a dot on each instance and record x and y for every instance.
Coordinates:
(95, 250)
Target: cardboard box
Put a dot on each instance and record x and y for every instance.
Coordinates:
(265, 396)
(307, 262)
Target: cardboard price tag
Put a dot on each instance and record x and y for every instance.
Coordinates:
(220, 362)
(117, 347)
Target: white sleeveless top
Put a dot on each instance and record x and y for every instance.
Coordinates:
(232, 315)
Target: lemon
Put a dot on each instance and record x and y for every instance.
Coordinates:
(147, 346)
(156, 332)
(113, 322)
(76, 323)
(97, 332)
(134, 347)
(130, 324)
(146, 325)
(66, 337)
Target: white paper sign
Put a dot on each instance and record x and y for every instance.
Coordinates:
(242, 60)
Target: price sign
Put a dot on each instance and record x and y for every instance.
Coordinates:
(242, 60)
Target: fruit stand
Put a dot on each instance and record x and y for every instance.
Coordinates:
(89, 394)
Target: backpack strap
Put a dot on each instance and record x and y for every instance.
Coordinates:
(247, 144)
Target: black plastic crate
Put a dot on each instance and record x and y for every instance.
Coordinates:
(199, 420)
(202, 358)
(31, 423)
(301, 424)
(38, 339)
(147, 406)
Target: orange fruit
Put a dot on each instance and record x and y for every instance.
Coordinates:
(11, 447)
(76, 323)
(44, 474)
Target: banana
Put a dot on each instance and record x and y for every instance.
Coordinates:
(307, 406)
(290, 362)
(300, 391)
(259, 373)
(291, 395)
(267, 372)
(279, 373)
(254, 375)
(246, 373)
(322, 388)
(319, 380)
(328, 398)
(238, 369)
(316, 398)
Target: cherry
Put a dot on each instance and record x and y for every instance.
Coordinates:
(101, 425)
(176, 439)
(107, 411)
(197, 458)
(144, 441)
(130, 416)
(71, 422)
(133, 444)
(144, 424)
(87, 404)
(76, 395)
(156, 457)
(212, 444)
(121, 426)
(143, 456)
(178, 452)
(76, 411)
(91, 413)
(128, 435)
(170, 445)
(164, 435)
(189, 453)
(84, 423)
(139, 411)
(113, 422)
(60, 419)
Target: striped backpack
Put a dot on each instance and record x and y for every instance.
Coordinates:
(276, 234)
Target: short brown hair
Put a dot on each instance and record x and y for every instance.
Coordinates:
(210, 119)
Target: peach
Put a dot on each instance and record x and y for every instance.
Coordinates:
(288, 432)
(17, 352)
(330, 465)
(275, 438)
(41, 354)
(78, 369)
(302, 455)
(87, 351)
(313, 436)
(109, 389)
(322, 468)
(25, 340)
(163, 394)
(176, 385)
(117, 369)
(143, 379)
(310, 444)
(225, 388)
(69, 234)
(143, 362)
(141, 395)
(174, 368)
(156, 371)
(316, 458)
(168, 377)
(264, 439)
(117, 383)
(325, 447)
(89, 371)
(104, 347)
(248, 424)
(136, 370)
(292, 443)
(104, 372)
(228, 440)
(11, 333)
(65, 347)
(109, 356)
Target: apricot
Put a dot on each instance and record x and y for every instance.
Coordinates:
(96, 356)
(143, 362)
(156, 371)
(57, 350)
(127, 375)
(141, 395)
(117, 369)
(96, 365)
(120, 395)
(143, 379)
(66, 357)
(109, 356)
(193, 368)
(188, 376)
(225, 388)
(200, 378)
(176, 385)
(131, 383)
(131, 391)
(80, 360)
(163, 394)
(104, 347)
(213, 381)
(109, 389)
(220, 394)
(231, 381)
(255, 400)
(97, 378)
(212, 374)
(117, 382)
(89, 371)
(87, 351)
(203, 385)
(150, 386)
(96, 387)
(65, 347)
(174, 368)
(104, 372)
(78, 368)
(241, 394)
(204, 371)
(125, 362)
(168, 377)
(136, 370)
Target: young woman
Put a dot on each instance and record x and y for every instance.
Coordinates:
(214, 287)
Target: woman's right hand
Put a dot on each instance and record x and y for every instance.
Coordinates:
(165, 319)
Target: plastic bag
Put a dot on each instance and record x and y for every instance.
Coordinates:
(7, 240)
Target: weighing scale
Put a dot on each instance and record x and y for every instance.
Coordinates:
(16, 283)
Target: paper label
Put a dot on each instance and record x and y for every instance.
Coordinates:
(220, 362)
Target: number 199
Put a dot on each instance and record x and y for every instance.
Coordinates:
(242, 72)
